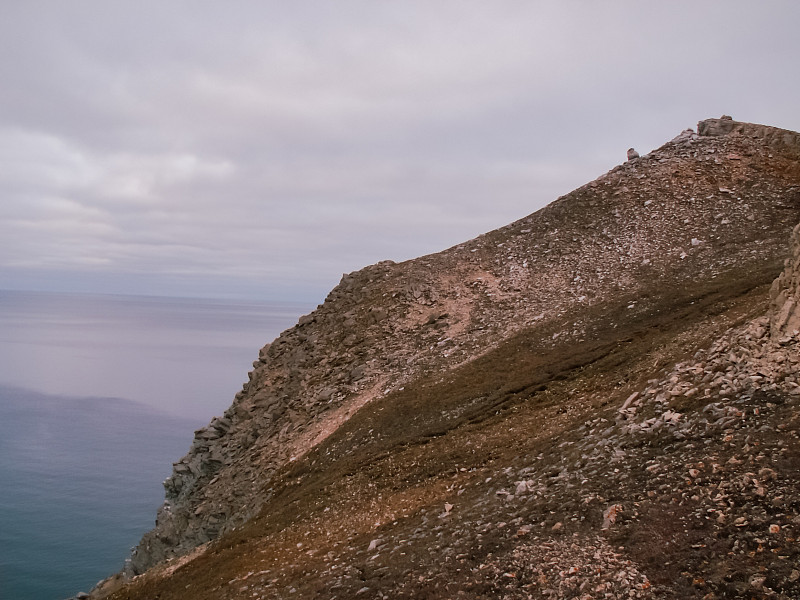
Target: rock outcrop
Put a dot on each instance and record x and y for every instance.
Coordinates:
(400, 353)
(772, 136)
(785, 294)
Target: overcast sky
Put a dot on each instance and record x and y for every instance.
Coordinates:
(261, 149)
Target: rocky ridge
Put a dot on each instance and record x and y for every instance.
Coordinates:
(701, 210)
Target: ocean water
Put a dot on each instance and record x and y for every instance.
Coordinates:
(98, 396)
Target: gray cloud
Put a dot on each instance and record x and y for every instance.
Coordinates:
(265, 148)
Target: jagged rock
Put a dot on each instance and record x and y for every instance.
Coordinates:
(785, 294)
(686, 135)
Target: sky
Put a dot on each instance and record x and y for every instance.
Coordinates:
(262, 149)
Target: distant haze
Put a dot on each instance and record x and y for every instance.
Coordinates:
(187, 357)
(261, 149)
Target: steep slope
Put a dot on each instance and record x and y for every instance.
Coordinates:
(432, 416)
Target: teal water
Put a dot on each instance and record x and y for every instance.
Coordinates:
(81, 480)
(80, 467)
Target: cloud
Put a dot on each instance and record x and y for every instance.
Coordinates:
(259, 147)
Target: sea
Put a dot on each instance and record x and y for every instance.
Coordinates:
(99, 395)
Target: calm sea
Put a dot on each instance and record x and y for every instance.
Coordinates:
(98, 396)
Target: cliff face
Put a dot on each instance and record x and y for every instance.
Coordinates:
(785, 294)
(418, 377)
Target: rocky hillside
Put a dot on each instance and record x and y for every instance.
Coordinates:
(525, 414)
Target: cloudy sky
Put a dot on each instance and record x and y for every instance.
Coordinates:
(261, 149)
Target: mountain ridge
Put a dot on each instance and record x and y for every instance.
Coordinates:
(452, 342)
